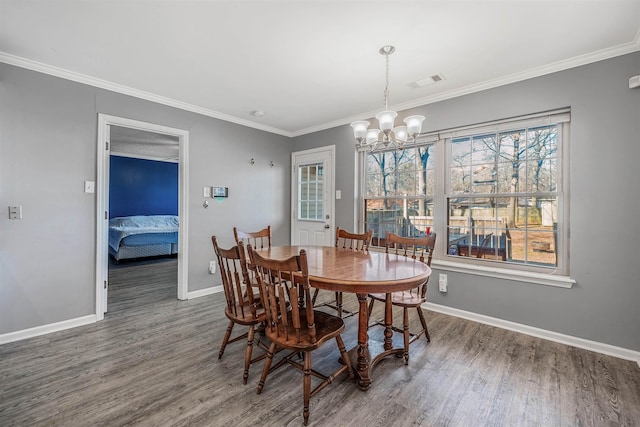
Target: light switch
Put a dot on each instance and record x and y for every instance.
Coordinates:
(89, 187)
(206, 192)
(15, 212)
(338, 194)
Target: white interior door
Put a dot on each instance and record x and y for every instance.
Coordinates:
(312, 196)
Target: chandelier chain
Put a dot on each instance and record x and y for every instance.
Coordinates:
(386, 86)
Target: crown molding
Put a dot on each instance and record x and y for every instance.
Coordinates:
(566, 64)
(125, 90)
(576, 61)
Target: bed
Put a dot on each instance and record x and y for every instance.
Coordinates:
(143, 236)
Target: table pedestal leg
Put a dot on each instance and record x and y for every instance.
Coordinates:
(360, 358)
(388, 320)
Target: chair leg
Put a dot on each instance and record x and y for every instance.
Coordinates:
(424, 324)
(267, 366)
(371, 306)
(345, 357)
(405, 329)
(306, 386)
(247, 354)
(225, 340)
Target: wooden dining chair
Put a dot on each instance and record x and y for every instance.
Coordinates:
(242, 307)
(257, 239)
(355, 242)
(420, 249)
(297, 328)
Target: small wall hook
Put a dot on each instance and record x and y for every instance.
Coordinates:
(252, 161)
(271, 163)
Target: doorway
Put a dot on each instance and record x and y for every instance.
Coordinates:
(312, 196)
(111, 127)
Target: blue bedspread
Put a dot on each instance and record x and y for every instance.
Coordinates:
(121, 227)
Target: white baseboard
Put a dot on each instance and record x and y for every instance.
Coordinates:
(80, 321)
(47, 329)
(204, 292)
(611, 350)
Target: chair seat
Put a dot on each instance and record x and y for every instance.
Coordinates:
(327, 327)
(403, 299)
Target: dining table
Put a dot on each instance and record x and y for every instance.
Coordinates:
(360, 272)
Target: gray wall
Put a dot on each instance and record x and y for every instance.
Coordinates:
(342, 137)
(48, 131)
(605, 150)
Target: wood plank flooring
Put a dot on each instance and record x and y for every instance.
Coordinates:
(153, 362)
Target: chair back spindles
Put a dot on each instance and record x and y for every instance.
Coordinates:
(274, 278)
(353, 241)
(420, 248)
(257, 239)
(232, 264)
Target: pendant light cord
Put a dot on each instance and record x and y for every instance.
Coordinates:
(386, 86)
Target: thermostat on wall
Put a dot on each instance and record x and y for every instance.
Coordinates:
(219, 191)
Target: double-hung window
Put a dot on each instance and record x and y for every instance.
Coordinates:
(400, 191)
(494, 193)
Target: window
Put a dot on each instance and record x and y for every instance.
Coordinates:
(494, 192)
(399, 192)
(310, 192)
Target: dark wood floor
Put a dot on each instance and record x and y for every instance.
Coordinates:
(153, 361)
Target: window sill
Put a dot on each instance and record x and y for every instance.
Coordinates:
(504, 273)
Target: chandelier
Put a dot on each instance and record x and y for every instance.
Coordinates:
(387, 136)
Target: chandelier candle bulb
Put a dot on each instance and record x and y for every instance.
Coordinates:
(360, 129)
(386, 119)
(372, 136)
(400, 132)
(414, 125)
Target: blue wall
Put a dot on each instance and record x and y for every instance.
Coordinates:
(142, 187)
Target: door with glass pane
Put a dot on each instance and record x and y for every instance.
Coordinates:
(312, 190)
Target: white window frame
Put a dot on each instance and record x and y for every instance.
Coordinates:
(560, 276)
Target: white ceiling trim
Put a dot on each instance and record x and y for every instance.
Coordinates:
(577, 61)
(603, 54)
(125, 90)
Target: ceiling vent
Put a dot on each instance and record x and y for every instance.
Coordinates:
(427, 81)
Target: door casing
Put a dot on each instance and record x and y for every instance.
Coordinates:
(310, 156)
(102, 204)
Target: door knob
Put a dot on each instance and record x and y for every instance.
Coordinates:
(327, 226)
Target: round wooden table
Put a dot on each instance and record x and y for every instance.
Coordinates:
(344, 270)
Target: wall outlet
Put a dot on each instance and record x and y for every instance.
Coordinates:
(442, 283)
(212, 267)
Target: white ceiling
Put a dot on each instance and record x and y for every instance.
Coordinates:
(309, 65)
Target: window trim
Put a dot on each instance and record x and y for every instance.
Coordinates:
(526, 276)
(548, 279)
(558, 276)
